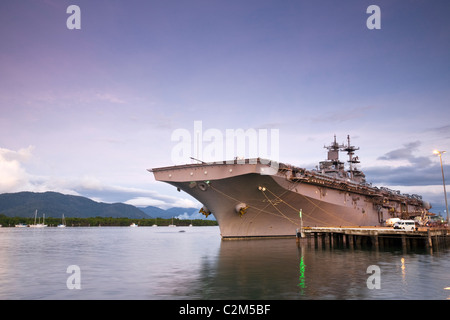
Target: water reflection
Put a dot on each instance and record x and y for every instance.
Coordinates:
(281, 269)
(161, 263)
(403, 267)
(301, 277)
(447, 288)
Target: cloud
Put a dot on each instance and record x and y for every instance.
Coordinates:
(407, 154)
(193, 216)
(23, 154)
(404, 175)
(145, 202)
(442, 131)
(401, 167)
(13, 175)
(163, 201)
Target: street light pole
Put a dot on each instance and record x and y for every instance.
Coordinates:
(443, 181)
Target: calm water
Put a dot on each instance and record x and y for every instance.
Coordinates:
(163, 263)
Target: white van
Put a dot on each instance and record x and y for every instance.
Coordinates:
(408, 225)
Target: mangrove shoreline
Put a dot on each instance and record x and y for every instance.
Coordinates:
(6, 221)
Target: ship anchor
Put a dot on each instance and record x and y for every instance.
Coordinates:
(204, 211)
(241, 208)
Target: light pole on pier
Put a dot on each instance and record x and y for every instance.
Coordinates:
(437, 152)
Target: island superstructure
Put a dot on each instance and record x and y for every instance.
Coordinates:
(260, 198)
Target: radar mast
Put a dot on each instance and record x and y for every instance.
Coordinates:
(334, 167)
(354, 173)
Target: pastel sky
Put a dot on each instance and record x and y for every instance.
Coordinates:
(87, 111)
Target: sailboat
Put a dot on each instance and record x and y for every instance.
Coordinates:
(172, 225)
(38, 225)
(63, 222)
(155, 225)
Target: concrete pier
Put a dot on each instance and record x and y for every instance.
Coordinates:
(375, 237)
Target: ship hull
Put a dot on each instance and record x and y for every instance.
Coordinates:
(248, 202)
(268, 215)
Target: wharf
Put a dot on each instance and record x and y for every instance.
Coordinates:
(376, 237)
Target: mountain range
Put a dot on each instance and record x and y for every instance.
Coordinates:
(54, 204)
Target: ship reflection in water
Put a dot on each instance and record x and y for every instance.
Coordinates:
(282, 269)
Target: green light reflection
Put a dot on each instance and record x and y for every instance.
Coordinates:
(301, 277)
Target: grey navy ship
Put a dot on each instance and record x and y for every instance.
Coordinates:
(255, 198)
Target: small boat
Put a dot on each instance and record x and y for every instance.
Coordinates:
(134, 225)
(21, 225)
(63, 222)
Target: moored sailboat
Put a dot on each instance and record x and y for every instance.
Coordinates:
(63, 222)
(38, 225)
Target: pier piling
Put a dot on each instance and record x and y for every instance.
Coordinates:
(376, 237)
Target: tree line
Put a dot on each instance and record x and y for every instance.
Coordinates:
(6, 221)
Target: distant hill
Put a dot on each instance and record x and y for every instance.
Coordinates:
(154, 212)
(54, 204)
